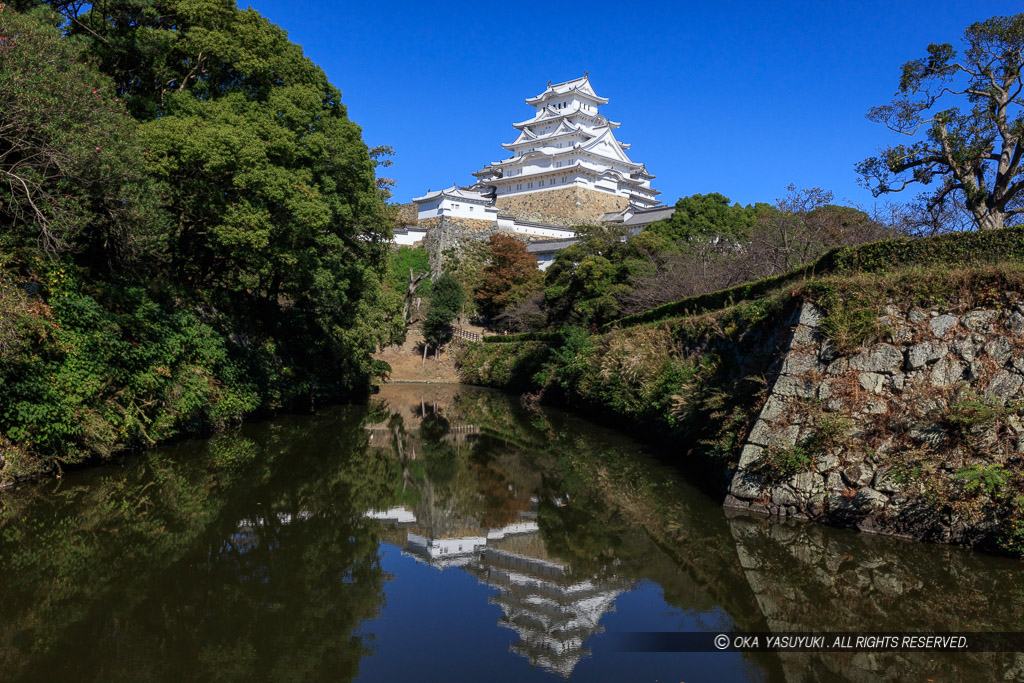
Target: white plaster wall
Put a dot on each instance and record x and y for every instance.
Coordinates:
(516, 528)
(540, 232)
(457, 209)
(440, 547)
(411, 238)
(428, 209)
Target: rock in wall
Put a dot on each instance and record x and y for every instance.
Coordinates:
(406, 214)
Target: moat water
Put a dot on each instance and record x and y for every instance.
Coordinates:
(444, 533)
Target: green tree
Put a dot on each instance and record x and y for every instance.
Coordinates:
(279, 219)
(408, 277)
(586, 281)
(192, 229)
(399, 263)
(974, 156)
(71, 180)
(509, 277)
(705, 217)
(445, 304)
(274, 193)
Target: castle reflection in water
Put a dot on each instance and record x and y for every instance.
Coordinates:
(491, 532)
(552, 611)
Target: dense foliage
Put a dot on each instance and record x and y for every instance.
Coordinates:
(191, 229)
(586, 281)
(708, 216)
(445, 305)
(403, 260)
(706, 246)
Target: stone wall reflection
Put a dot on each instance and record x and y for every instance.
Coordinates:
(806, 578)
(609, 518)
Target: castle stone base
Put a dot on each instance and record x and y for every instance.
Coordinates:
(563, 206)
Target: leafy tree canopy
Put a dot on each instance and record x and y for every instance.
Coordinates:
(192, 228)
(445, 304)
(707, 216)
(510, 276)
(276, 206)
(70, 175)
(586, 280)
(972, 155)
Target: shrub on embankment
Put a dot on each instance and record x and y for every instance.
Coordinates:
(952, 250)
(697, 379)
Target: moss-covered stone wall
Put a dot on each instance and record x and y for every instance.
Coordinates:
(918, 434)
(449, 238)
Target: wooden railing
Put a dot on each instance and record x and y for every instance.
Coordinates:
(466, 334)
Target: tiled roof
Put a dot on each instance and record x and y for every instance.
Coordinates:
(545, 246)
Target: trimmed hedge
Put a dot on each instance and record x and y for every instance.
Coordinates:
(955, 249)
(548, 337)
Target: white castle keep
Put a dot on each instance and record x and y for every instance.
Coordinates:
(567, 143)
(566, 169)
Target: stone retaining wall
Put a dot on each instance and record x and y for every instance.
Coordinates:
(407, 214)
(566, 206)
(880, 439)
(449, 238)
(464, 226)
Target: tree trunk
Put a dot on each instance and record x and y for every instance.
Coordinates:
(989, 220)
(425, 347)
(437, 352)
(414, 283)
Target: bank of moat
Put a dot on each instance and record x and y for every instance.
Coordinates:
(567, 169)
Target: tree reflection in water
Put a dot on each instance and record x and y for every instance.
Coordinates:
(243, 557)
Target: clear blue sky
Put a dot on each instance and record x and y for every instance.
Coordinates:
(741, 98)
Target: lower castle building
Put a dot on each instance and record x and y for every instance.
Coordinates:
(567, 169)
